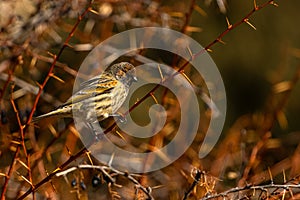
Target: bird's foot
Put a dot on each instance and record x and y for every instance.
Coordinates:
(121, 117)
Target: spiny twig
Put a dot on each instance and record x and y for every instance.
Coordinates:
(22, 143)
(55, 58)
(58, 169)
(263, 188)
(106, 170)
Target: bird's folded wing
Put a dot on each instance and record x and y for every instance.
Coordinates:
(94, 88)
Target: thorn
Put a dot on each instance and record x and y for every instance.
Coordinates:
(184, 174)
(271, 177)
(162, 155)
(291, 193)
(252, 26)
(154, 98)
(12, 148)
(89, 157)
(13, 86)
(83, 47)
(157, 187)
(68, 45)
(187, 78)
(176, 14)
(229, 26)
(94, 11)
(160, 72)
(2, 174)
(121, 136)
(254, 191)
(221, 41)
(283, 196)
(24, 178)
(48, 156)
(74, 131)
(57, 169)
(53, 187)
(57, 78)
(222, 6)
(80, 17)
(15, 142)
(52, 130)
(284, 177)
(51, 54)
(193, 29)
(255, 5)
(38, 84)
(69, 152)
(137, 100)
(33, 62)
(282, 87)
(89, 8)
(200, 10)
(111, 159)
(282, 120)
(190, 52)
(209, 50)
(274, 4)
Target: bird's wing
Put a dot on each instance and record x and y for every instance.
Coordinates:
(92, 87)
(91, 81)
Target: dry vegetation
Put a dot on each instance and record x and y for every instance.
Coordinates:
(43, 44)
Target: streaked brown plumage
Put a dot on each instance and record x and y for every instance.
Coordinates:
(102, 95)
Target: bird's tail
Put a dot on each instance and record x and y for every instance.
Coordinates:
(58, 112)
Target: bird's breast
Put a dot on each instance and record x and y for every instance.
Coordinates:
(119, 95)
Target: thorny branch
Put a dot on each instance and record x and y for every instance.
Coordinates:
(107, 171)
(263, 188)
(55, 58)
(22, 143)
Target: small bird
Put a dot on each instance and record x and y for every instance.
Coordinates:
(102, 95)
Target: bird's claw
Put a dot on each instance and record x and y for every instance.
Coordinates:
(121, 118)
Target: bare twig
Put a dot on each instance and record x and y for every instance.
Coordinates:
(263, 188)
(106, 170)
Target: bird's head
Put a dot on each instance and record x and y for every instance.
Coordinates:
(124, 72)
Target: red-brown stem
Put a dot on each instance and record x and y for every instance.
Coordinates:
(21, 129)
(10, 170)
(10, 73)
(55, 58)
(188, 16)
